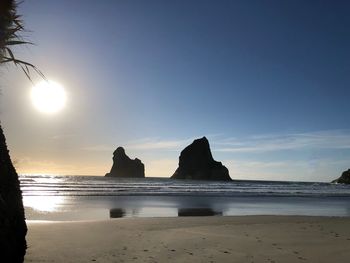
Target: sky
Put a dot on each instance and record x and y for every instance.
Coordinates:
(267, 82)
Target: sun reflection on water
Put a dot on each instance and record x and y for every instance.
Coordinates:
(44, 203)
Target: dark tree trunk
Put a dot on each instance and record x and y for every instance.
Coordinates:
(13, 227)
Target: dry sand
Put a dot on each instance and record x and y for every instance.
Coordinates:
(201, 239)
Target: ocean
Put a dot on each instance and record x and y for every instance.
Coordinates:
(70, 198)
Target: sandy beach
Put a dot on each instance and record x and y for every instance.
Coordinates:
(250, 239)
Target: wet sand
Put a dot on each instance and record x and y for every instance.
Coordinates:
(250, 239)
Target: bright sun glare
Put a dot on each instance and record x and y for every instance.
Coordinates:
(48, 96)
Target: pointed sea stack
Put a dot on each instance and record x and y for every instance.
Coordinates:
(344, 178)
(124, 167)
(196, 162)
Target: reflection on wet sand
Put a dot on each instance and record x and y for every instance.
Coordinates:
(116, 212)
(44, 203)
(198, 212)
(121, 212)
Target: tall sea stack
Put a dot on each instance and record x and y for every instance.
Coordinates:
(196, 162)
(13, 228)
(124, 167)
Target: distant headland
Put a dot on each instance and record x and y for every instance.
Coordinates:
(344, 178)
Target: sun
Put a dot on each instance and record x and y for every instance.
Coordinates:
(48, 96)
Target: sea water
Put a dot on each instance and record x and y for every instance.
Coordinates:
(48, 197)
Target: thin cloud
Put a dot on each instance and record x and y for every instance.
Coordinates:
(338, 139)
(63, 136)
(99, 148)
(144, 144)
(156, 144)
(170, 145)
(324, 170)
(30, 165)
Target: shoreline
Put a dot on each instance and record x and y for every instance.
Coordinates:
(34, 221)
(192, 239)
(102, 208)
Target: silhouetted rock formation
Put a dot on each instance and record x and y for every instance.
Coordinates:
(116, 212)
(196, 162)
(125, 167)
(13, 228)
(344, 178)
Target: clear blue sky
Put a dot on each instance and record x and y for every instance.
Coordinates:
(268, 82)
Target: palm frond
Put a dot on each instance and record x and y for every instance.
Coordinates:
(11, 26)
